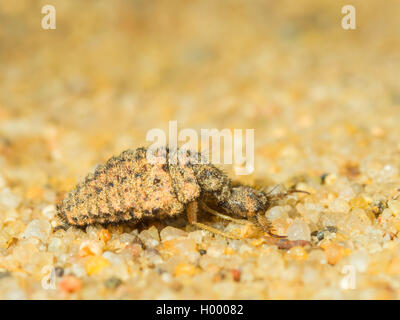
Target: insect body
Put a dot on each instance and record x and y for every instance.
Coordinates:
(130, 187)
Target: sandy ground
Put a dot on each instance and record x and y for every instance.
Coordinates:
(324, 103)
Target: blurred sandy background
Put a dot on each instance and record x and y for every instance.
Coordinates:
(322, 100)
(109, 73)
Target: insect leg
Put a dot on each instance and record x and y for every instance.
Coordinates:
(191, 212)
(220, 215)
(282, 195)
(60, 223)
(262, 222)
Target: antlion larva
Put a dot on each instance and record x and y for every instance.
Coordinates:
(130, 187)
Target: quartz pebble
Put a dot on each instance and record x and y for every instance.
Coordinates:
(333, 252)
(127, 238)
(360, 260)
(70, 284)
(153, 257)
(299, 230)
(150, 237)
(78, 270)
(112, 282)
(276, 212)
(197, 236)
(113, 257)
(90, 247)
(55, 245)
(49, 211)
(169, 233)
(185, 269)
(38, 228)
(339, 205)
(94, 264)
(394, 206)
(8, 199)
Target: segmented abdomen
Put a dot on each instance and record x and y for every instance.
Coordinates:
(126, 187)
